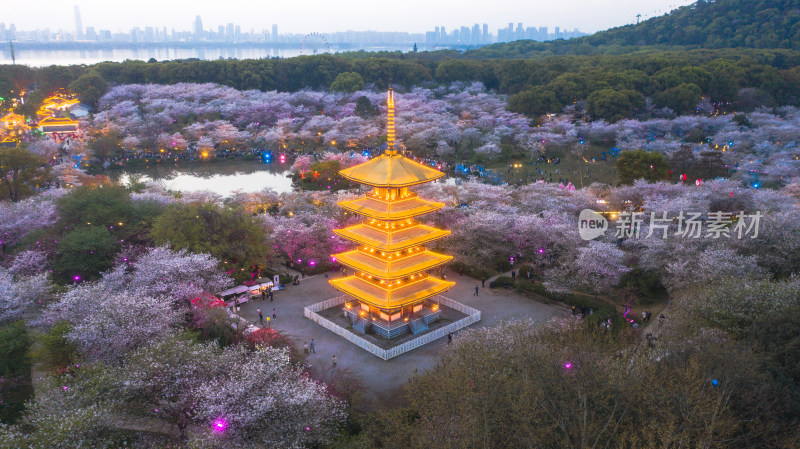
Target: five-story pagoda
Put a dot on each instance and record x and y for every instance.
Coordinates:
(391, 284)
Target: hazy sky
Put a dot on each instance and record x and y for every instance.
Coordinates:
(303, 16)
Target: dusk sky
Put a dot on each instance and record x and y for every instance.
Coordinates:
(303, 16)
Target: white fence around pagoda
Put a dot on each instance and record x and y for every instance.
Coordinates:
(473, 316)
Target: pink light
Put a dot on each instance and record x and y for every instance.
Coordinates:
(568, 366)
(312, 263)
(76, 278)
(541, 250)
(220, 425)
(333, 259)
(65, 388)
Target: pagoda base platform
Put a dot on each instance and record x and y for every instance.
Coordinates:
(387, 339)
(415, 324)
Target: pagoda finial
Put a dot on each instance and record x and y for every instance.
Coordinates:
(390, 124)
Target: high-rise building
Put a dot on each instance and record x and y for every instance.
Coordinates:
(485, 37)
(274, 32)
(198, 29)
(2, 31)
(78, 23)
(91, 35)
(229, 33)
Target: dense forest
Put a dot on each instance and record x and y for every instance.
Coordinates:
(715, 24)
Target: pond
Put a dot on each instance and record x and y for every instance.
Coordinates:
(221, 176)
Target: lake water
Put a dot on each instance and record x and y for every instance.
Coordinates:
(40, 58)
(222, 177)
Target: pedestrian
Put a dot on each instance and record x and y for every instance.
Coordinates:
(333, 361)
(263, 295)
(644, 317)
(513, 275)
(311, 347)
(461, 272)
(444, 276)
(260, 317)
(271, 295)
(476, 291)
(483, 281)
(449, 337)
(305, 348)
(661, 319)
(274, 315)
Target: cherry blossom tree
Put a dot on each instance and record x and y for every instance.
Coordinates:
(20, 295)
(29, 262)
(598, 268)
(121, 322)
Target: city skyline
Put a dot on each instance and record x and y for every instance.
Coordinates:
(232, 33)
(325, 17)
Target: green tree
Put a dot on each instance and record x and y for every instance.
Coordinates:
(105, 144)
(54, 351)
(89, 87)
(682, 99)
(641, 164)
(347, 82)
(21, 172)
(109, 207)
(14, 344)
(84, 253)
(364, 108)
(534, 102)
(33, 101)
(229, 234)
(613, 105)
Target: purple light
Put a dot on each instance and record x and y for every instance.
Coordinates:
(220, 425)
(299, 260)
(541, 250)
(568, 366)
(312, 263)
(65, 388)
(333, 259)
(76, 278)
(308, 429)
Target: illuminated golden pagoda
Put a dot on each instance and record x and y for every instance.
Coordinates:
(391, 280)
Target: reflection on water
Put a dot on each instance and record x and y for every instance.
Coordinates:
(39, 58)
(222, 177)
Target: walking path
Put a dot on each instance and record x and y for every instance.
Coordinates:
(382, 379)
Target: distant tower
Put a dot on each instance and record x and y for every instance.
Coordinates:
(78, 23)
(638, 16)
(198, 28)
(274, 32)
(485, 33)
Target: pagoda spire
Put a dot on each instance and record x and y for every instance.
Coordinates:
(390, 123)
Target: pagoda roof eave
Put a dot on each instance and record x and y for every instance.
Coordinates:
(396, 210)
(391, 241)
(392, 171)
(390, 299)
(389, 269)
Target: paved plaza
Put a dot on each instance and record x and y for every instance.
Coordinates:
(380, 378)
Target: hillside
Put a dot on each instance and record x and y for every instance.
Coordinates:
(715, 24)
(704, 24)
